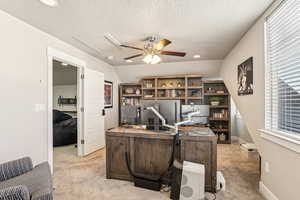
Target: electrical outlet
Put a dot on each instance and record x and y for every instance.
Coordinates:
(267, 167)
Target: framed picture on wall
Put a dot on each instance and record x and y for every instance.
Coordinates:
(108, 94)
(245, 77)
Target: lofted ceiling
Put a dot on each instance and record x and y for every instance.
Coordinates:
(209, 28)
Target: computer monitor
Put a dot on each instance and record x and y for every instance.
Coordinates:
(201, 119)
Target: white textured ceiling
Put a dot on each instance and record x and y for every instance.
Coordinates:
(206, 27)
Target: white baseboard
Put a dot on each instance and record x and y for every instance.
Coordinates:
(234, 138)
(266, 192)
(241, 141)
(237, 139)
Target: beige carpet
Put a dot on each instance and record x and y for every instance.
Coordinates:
(84, 178)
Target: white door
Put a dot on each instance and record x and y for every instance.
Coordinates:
(93, 97)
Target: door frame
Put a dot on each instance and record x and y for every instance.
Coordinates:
(55, 54)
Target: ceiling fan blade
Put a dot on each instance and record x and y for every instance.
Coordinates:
(163, 43)
(130, 47)
(128, 58)
(173, 53)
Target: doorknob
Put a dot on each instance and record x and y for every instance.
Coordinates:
(103, 112)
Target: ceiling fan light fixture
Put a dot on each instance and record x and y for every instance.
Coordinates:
(197, 56)
(51, 3)
(152, 59)
(148, 58)
(155, 59)
(64, 64)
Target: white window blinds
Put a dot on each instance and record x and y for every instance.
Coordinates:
(283, 69)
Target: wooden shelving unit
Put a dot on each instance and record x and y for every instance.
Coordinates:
(187, 88)
(219, 114)
(130, 95)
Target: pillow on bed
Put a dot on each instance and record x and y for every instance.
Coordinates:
(59, 116)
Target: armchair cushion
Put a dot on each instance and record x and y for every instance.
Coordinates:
(38, 181)
(15, 193)
(15, 168)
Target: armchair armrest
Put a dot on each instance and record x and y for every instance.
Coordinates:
(15, 193)
(15, 168)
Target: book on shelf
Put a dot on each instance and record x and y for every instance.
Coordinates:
(221, 115)
(130, 102)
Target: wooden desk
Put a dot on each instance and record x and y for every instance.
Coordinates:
(150, 152)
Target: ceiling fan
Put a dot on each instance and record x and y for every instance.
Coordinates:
(152, 49)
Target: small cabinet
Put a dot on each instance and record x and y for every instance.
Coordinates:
(203, 152)
(116, 167)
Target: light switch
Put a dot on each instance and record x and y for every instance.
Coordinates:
(267, 167)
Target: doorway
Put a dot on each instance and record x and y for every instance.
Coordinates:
(89, 104)
(61, 62)
(65, 111)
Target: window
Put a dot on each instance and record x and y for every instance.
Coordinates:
(283, 69)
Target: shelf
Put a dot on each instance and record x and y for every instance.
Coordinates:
(148, 98)
(148, 88)
(131, 95)
(171, 98)
(194, 87)
(194, 98)
(220, 106)
(171, 88)
(216, 94)
(218, 119)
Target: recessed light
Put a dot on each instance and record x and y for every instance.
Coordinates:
(110, 57)
(129, 61)
(51, 3)
(64, 64)
(197, 56)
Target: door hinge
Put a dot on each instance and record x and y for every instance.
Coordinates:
(82, 76)
(82, 141)
(82, 109)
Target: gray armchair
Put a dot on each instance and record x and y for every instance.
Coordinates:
(19, 180)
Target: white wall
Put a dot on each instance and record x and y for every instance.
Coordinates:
(133, 73)
(242, 130)
(284, 177)
(23, 84)
(238, 127)
(65, 91)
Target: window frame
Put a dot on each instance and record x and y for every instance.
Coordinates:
(274, 135)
